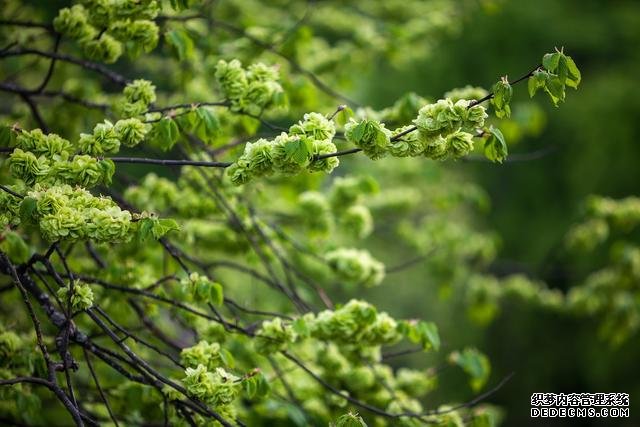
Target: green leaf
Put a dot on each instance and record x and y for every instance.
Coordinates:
(144, 229)
(262, 384)
(187, 122)
(227, 358)
(301, 327)
(207, 124)
(156, 227)
(216, 295)
(555, 89)
(250, 387)
(180, 5)
(350, 420)
(484, 419)
(298, 150)
(28, 210)
(167, 133)
(574, 74)
(532, 86)
(429, 335)
(280, 99)
(502, 92)
(424, 333)
(495, 148)
(7, 136)
(343, 116)
(162, 226)
(475, 364)
(181, 43)
(550, 61)
(359, 130)
(563, 71)
(296, 415)
(108, 169)
(13, 245)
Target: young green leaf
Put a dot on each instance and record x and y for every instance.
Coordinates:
(429, 335)
(502, 92)
(574, 76)
(28, 210)
(207, 124)
(350, 420)
(181, 43)
(550, 61)
(13, 245)
(166, 133)
(162, 226)
(7, 136)
(298, 150)
(474, 363)
(495, 148)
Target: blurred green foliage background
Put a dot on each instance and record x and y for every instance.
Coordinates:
(591, 147)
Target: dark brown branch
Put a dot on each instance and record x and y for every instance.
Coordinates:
(35, 113)
(10, 191)
(191, 105)
(97, 383)
(52, 65)
(169, 162)
(516, 81)
(13, 88)
(89, 65)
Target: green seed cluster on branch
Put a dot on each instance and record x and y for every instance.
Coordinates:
(202, 289)
(611, 294)
(445, 127)
(274, 335)
(217, 388)
(137, 96)
(65, 213)
(343, 206)
(485, 294)
(315, 212)
(355, 266)
(355, 322)
(602, 215)
(622, 213)
(288, 153)
(370, 135)
(211, 355)
(80, 295)
(161, 195)
(9, 209)
(443, 132)
(106, 28)
(41, 158)
(50, 159)
(250, 90)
